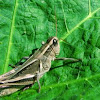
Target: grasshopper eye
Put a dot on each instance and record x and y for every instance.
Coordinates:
(55, 42)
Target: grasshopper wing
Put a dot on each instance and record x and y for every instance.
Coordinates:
(14, 71)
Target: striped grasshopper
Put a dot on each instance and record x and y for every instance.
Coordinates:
(35, 66)
(32, 69)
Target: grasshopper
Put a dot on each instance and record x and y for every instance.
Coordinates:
(35, 66)
(32, 69)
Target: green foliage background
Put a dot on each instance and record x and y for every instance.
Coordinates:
(24, 24)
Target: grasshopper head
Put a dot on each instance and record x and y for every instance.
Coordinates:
(54, 45)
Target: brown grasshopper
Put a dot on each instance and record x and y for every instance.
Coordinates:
(32, 69)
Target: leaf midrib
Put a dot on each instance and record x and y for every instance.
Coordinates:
(10, 37)
(87, 79)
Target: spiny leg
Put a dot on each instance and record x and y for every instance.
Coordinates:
(13, 66)
(26, 87)
(38, 75)
(38, 83)
(72, 59)
(24, 58)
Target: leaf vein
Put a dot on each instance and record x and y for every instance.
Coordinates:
(81, 22)
(10, 37)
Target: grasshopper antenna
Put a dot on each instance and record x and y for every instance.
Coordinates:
(55, 21)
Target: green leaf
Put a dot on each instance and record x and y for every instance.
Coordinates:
(24, 24)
